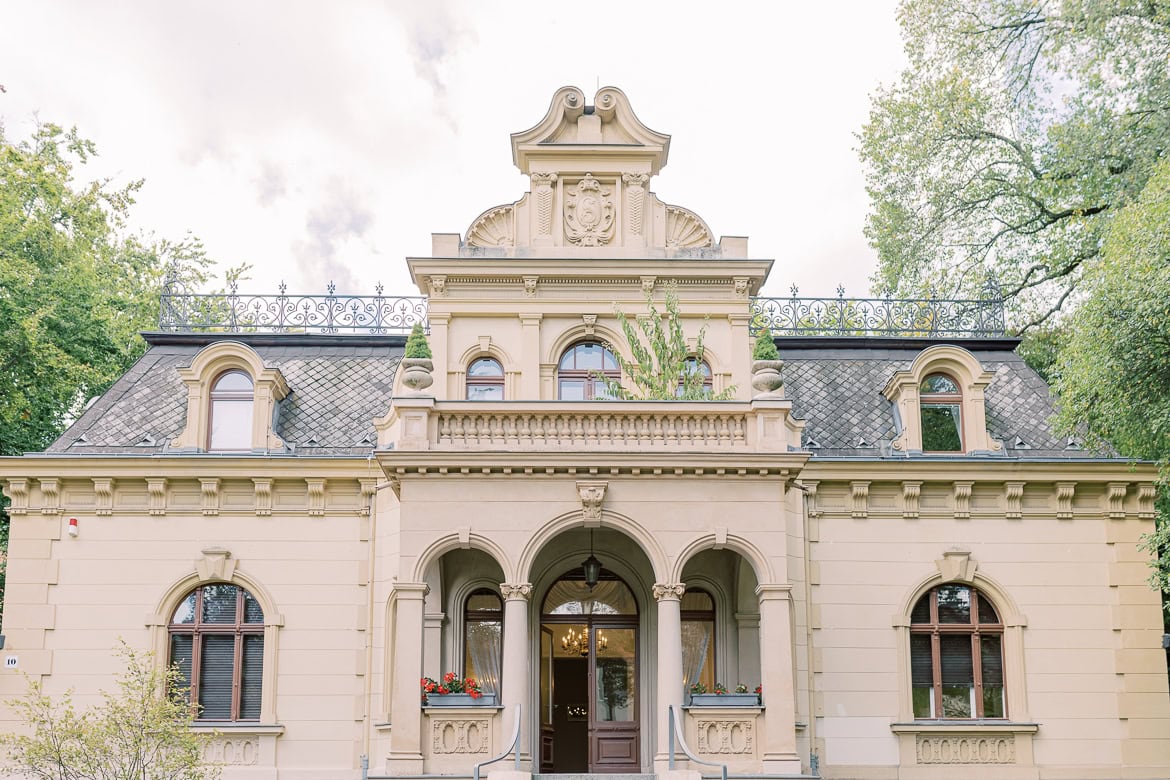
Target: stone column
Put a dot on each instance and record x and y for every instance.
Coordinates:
(517, 668)
(670, 667)
(776, 671)
(406, 735)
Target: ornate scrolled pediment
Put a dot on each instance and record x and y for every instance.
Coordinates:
(590, 168)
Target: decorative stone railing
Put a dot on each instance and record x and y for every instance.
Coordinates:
(624, 426)
(584, 427)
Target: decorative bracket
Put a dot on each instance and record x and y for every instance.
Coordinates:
(591, 493)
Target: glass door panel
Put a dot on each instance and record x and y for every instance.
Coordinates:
(615, 682)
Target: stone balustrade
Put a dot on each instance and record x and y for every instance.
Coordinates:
(618, 426)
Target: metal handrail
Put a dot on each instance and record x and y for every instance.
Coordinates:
(513, 745)
(675, 722)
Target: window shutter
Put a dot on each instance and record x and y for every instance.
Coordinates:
(921, 667)
(992, 660)
(181, 657)
(957, 669)
(215, 676)
(251, 676)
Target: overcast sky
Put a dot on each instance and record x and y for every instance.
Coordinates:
(327, 141)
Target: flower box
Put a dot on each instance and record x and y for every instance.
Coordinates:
(724, 699)
(460, 700)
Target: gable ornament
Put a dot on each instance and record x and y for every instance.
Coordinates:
(589, 213)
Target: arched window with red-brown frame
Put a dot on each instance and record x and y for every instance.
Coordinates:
(956, 655)
(217, 643)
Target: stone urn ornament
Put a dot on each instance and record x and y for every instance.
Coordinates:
(416, 361)
(766, 365)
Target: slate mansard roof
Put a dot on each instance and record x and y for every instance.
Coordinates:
(836, 387)
(340, 384)
(336, 391)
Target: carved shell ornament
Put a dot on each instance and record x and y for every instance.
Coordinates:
(685, 230)
(492, 228)
(589, 213)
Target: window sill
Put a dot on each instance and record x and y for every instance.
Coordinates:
(235, 727)
(964, 726)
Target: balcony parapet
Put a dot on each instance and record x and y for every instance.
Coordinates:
(422, 423)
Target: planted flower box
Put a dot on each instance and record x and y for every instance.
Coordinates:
(454, 691)
(724, 700)
(461, 700)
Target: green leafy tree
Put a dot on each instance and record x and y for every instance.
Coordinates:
(1113, 376)
(663, 367)
(1018, 130)
(77, 288)
(139, 731)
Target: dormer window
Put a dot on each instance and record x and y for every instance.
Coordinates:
(485, 380)
(940, 404)
(232, 399)
(231, 413)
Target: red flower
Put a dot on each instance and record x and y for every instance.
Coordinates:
(759, 689)
(449, 676)
(443, 691)
(476, 694)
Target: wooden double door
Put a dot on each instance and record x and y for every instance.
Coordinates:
(589, 696)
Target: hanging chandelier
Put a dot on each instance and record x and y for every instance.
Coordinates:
(578, 642)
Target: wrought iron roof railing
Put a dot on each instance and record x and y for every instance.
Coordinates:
(231, 312)
(981, 317)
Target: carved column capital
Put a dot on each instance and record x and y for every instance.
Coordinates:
(668, 591)
(516, 591)
(634, 179)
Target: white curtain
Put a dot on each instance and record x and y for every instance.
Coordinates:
(696, 638)
(483, 649)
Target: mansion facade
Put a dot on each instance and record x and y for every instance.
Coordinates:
(880, 539)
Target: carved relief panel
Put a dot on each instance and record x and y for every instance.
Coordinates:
(459, 736)
(589, 213)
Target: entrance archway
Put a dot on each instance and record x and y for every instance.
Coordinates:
(588, 683)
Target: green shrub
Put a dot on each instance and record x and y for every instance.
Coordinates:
(416, 344)
(765, 347)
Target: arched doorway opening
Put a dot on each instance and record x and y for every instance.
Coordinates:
(588, 696)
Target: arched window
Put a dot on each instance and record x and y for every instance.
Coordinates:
(485, 380)
(582, 370)
(941, 409)
(483, 631)
(231, 413)
(956, 655)
(698, 638)
(691, 368)
(217, 642)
